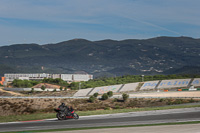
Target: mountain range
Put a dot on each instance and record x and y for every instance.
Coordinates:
(160, 55)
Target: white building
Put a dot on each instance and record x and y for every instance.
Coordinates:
(39, 76)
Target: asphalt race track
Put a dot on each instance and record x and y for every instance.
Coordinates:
(132, 118)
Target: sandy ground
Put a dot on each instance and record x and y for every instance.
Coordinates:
(186, 128)
(168, 94)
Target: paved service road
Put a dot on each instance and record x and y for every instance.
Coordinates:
(133, 118)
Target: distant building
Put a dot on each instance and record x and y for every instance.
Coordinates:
(39, 76)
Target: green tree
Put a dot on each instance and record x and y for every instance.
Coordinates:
(95, 94)
(92, 99)
(125, 97)
(104, 96)
(43, 87)
(32, 90)
(110, 93)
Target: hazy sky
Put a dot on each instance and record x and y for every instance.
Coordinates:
(52, 21)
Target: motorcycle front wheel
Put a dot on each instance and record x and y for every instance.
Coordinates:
(76, 116)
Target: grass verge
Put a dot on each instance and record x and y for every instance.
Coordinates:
(103, 127)
(38, 116)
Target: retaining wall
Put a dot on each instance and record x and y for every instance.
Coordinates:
(174, 83)
(129, 87)
(196, 82)
(105, 89)
(29, 89)
(149, 85)
(82, 92)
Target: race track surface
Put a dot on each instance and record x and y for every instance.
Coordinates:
(132, 118)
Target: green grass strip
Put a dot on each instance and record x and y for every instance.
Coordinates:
(103, 127)
(39, 116)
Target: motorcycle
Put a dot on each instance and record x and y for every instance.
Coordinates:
(64, 116)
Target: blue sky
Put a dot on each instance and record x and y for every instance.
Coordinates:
(52, 21)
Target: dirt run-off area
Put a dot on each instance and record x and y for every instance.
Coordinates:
(15, 106)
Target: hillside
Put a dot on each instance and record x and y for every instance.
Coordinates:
(161, 55)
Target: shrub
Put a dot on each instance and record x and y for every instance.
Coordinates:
(92, 99)
(43, 87)
(95, 94)
(107, 108)
(54, 90)
(104, 96)
(191, 100)
(115, 100)
(61, 88)
(32, 90)
(117, 107)
(125, 97)
(110, 93)
(161, 100)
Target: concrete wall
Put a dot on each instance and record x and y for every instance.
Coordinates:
(29, 89)
(129, 87)
(196, 82)
(149, 85)
(105, 89)
(82, 92)
(174, 83)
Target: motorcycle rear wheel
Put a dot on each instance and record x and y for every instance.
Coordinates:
(61, 116)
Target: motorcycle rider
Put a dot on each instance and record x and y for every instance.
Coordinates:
(63, 108)
(71, 110)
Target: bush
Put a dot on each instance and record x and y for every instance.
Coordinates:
(125, 97)
(43, 87)
(115, 100)
(104, 96)
(32, 90)
(110, 93)
(95, 94)
(61, 88)
(191, 100)
(92, 99)
(117, 107)
(161, 100)
(107, 108)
